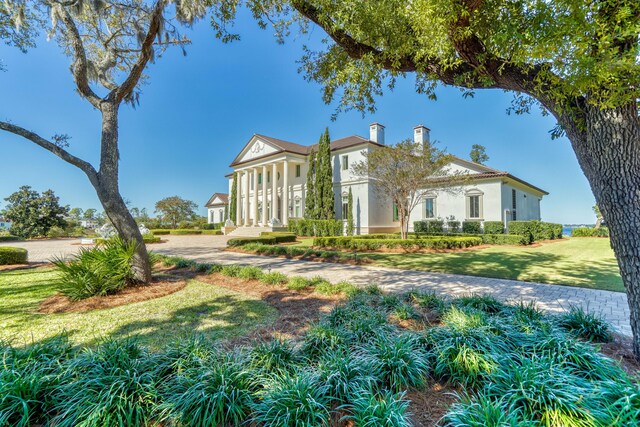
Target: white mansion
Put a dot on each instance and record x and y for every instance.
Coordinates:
(272, 177)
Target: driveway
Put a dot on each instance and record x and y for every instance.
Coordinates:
(553, 298)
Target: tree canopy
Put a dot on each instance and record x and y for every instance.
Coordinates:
(33, 214)
(175, 209)
(478, 154)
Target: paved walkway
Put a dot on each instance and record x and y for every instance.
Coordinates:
(553, 298)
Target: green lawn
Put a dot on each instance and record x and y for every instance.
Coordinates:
(585, 262)
(201, 308)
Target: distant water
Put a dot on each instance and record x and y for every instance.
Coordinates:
(566, 230)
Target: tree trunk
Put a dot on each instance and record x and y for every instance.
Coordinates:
(109, 193)
(608, 150)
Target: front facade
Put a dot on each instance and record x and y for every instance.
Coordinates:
(217, 208)
(271, 180)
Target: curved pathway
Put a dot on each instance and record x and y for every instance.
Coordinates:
(553, 298)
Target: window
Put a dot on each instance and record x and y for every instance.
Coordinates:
(345, 162)
(345, 205)
(514, 217)
(297, 207)
(297, 171)
(259, 178)
(430, 207)
(221, 215)
(513, 199)
(211, 215)
(396, 215)
(474, 206)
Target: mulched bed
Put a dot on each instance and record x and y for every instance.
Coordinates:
(621, 349)
(161, 286)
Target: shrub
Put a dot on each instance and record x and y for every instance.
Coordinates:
(493, 227)
(113, 385)
(536, 230)
(437, 242)
(240, 241)
(589, 326)
(321, 339)
(10, 238)
(10, 255)
(293, 401)
(212, 226)
(215, 395)
(274, 278)
(150, 238)
(504, 239)
(316, 227)
(160, 231)
(212, 232)
(280, 237)
(98, 271)
(430, 226)
(398, 361)
(471, 227)
(183, 231)
(590, 232)
(385, 409)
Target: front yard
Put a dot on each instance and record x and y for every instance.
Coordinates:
(199, 307)
(584, 262)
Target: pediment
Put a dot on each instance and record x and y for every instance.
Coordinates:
(257, 148)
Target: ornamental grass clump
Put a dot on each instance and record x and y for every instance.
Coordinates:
(398, 361)
(274, 278)
(217, 394)
(293, 400)
(384, 409)
(113, 385)
(322, 338)
(344, 375)
(484, 303)
(343, 287)
(588, 326)
(28, 378)
(484, 411)
(184, 353)
(250, 272)
(426, 299)
(98, 271)
(231, 270)
(298, 283)
(276, 356)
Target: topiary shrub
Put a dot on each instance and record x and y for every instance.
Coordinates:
(280, 236)
(471, 227)
(504, 239)
(493, 227)
(316, 227)
(184, 231)
(212, 232)
(10, 238)
(160, 231)
(10, 255)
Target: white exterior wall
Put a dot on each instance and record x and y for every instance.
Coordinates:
(215, 215)
(527, 203)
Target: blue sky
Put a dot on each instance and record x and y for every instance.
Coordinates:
(198, 111)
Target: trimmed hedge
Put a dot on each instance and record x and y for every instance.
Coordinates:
(10, 238)
(10, 255)
(316, 227)
(212, 232)
(590, 232)
(504, 239)
(493, 227)
(177, 231)
(471, 227)
(441, 242)
(428, 226)
(239, 241)
(280, 236)
(536, 230)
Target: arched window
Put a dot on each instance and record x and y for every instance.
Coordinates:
(474, 203)
(297, 207)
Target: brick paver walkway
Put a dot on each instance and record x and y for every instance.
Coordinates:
(553, 298)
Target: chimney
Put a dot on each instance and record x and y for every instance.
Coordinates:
(376, 133)
(420, 134)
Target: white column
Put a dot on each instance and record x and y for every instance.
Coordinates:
(238, 217)
(245, 208)
(255, 197)
(274, 191)
(264, 196)
(285, 199)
